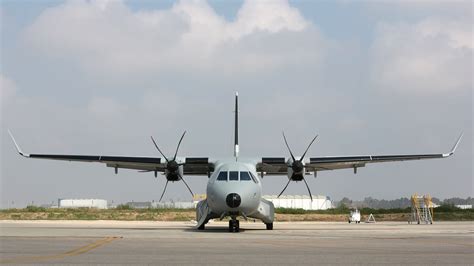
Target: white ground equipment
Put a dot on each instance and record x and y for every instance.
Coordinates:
(354, 216)
(370, 219)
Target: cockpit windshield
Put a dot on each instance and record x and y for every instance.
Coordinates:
(222, 176)
(234, 176)
(244, 176)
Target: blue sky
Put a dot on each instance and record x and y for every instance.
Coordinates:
(99, 77)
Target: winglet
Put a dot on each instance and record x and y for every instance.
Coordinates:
(454, 147)
(18, 147)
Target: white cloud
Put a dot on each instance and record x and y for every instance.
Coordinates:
(432, 55)
(271, 16)
(190, 36)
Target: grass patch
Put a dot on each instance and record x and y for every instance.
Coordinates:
(442, 213)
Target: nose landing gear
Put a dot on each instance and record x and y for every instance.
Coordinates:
(234, 225)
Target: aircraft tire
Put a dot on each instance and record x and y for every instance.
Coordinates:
(231, 226)
(269, 226)
(237, 226)
(234, 226)
(202, 226)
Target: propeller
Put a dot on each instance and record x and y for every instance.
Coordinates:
(172, 167)
(298, 167)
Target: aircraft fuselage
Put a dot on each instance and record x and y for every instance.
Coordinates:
(237, 194)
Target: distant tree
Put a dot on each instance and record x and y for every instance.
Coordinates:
(346, 201)
(454, 201)
(401, 203)
(436, 201)
(342, 207)
(470, 201)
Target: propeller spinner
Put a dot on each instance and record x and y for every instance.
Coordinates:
(297, 167)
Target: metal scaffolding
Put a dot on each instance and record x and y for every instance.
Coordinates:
(421, 209)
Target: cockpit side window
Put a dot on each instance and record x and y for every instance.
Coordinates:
(233, 176)
(253, 177)
(222, 176)
(244, 176)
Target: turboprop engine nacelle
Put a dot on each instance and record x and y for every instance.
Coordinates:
(174, 171)
(296, 170)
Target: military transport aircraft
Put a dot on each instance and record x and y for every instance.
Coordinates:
(234, 188)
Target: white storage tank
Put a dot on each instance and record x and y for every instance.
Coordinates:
(82, 203)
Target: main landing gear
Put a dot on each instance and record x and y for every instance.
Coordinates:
(234, 225)
(269, 226)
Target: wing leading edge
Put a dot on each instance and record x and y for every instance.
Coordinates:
(268, 165)
(192, 165)
(279, 165)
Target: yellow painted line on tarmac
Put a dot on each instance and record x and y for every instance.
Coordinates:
(70, 253)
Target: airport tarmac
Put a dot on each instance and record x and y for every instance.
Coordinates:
(117, 242)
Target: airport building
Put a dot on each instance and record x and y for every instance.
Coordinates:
(300, 202)
(285, 201)
(174, 205)
(290, 201)
(161, 205)
(82, 203)
(464, 206)
(139, 204)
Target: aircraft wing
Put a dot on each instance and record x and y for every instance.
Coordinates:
(279, 165)
(192, 165)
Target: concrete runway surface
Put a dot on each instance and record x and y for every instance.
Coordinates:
(116, 242)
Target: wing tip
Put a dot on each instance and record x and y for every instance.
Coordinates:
(453, 149)
(18, 149)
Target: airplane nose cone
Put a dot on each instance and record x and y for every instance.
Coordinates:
(233, 200)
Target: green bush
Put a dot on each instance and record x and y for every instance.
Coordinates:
(124, 207)
(32, 208)
(447, 208)
(290, 211)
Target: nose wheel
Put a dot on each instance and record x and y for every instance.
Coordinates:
(234, 225)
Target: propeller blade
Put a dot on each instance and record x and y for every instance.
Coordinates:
(154, 142)
(284, 137)
(192, 194)
(289, 180)
(309, 191)
(308, 148)
(162, 194)
(179, 143)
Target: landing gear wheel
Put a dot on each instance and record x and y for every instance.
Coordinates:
(202, 226)
(269, 226)
(237, 226)
(234, 226)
